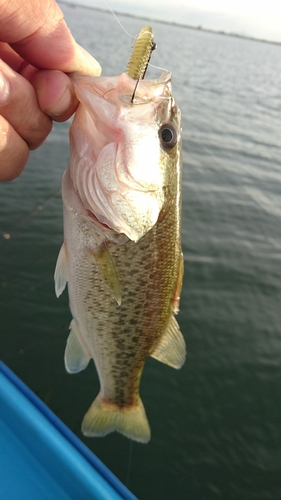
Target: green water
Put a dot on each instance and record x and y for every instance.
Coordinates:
(216, 423)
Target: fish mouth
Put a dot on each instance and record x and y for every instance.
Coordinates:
(116, 166)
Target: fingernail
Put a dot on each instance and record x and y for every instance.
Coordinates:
(89, 65)
(4, 89)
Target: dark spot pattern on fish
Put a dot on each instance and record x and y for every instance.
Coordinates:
(120, 337)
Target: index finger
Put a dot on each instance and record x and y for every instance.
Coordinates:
(37, 31)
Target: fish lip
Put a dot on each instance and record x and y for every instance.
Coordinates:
(164, 77)
(125, 94)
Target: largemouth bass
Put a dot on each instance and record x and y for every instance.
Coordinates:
(121, 254)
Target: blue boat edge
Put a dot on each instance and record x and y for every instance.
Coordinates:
(17, 399)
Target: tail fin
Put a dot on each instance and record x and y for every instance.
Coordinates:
(103, 418)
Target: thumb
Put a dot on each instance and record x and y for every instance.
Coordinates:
(37, 31)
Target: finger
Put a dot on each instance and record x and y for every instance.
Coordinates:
(19, 106)
(55, 94)
(54, 89)
(14, 152)
(16, 62)
(10, 57)
(38, 33)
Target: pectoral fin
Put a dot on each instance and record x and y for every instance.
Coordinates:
(171, 348)
(75, 357)
(61, 271)
(108, 272)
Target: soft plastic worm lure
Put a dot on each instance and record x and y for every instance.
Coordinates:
(140, 57)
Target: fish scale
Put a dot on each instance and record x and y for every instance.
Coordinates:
(121, 256)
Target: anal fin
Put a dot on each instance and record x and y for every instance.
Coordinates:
(61, 271)
(171, 347)
(75, 357)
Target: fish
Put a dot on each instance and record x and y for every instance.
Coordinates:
(121, 256)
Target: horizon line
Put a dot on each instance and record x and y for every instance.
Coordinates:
(174, 23)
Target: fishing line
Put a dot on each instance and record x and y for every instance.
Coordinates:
(119, 22)
(129, 463)
(131, 36)
(38, 208)
(134, 39)
(6, 279)
(157, 67)
(34, 287)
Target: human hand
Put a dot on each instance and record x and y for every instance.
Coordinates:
(36, 51)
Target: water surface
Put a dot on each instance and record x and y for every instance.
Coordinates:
(216, 423)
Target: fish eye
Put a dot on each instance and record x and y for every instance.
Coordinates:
(168, 135)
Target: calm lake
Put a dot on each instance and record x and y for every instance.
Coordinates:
(216, 423)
